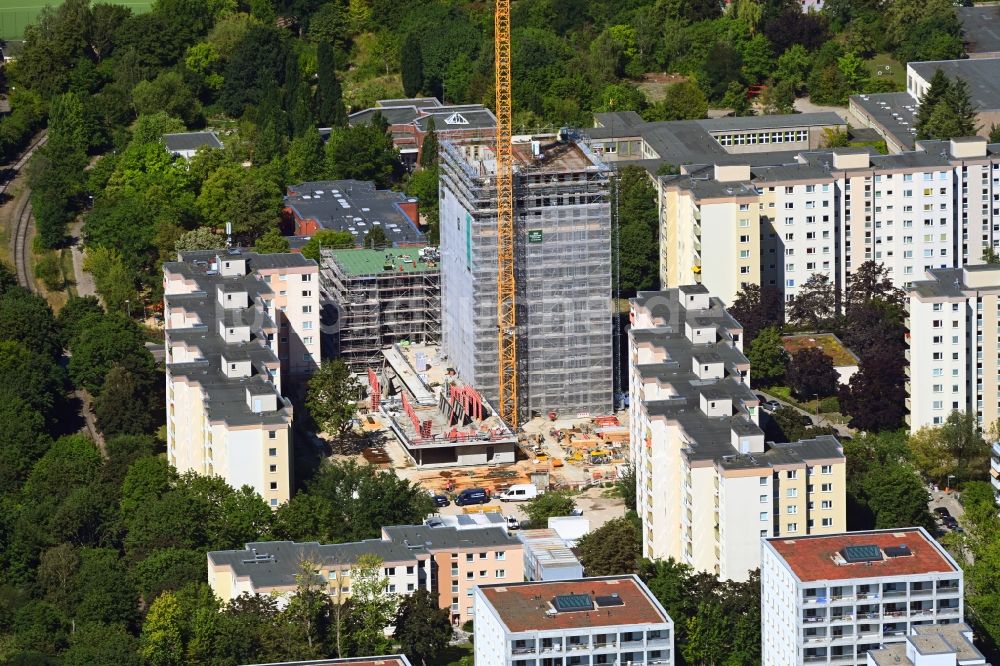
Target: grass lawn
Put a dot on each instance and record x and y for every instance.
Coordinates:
(454, 655)
(16, 14)
(896, 71)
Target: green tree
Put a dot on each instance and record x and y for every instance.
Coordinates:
(330, 110)
(376, 239)
(329, 239)
(345, 501)
(202, 238)
(756, 308)
(371, 608)
(613, 549)
(363, 152)
(945, 109)
(767, 357)
(24, 441)
(271, 242)
(331, 396)
(423, 628)
(305, 157)
(28, 319)
(811, 374)
(161, 643)
(243, 197)
(105, 343)
(33, 378)
(897, 498)
(74, 314)
(990, 255)
(548, 505)
(429, 148)
(93, 643)
(167, 92)
(793, 66)
(681, 101)
(815, 303)
(955, 449)
(412, 65)
(737, 100)
(778, 98)
(126, 405)
(423, 185)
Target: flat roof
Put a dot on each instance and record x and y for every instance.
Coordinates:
(982, 75)
(529, 606)
(818, 557)
(387, 660)
(893, 113)
(191, 141)
(360, 261)
(828, 343)
(980, 28)
(682, 142)
(355, 206)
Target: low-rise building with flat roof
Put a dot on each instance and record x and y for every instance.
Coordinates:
(893, 115)
(354, 206)
(931, 645)
(623, 136)
(980, 30)
(443, 560)
(386, 660)
(186, 144)
(845, 362)
(608, 620)
(833, 598)
(547, 557)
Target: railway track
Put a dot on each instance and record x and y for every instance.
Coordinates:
(21, 255)
(22, 216)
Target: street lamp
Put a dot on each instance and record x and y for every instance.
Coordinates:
(128, 305)
(950, 477)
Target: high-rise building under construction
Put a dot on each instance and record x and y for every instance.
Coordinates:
(563, 271)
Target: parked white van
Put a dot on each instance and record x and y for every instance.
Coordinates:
(519, 492)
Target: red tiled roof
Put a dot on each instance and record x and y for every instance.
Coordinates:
(812, 558)
(523, 606)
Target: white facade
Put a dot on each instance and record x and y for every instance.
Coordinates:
(953, 359)
(573, 644)
(818, 608)
(241, 330)
(707, 483)
(828, 213)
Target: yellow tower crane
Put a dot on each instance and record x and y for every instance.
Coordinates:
(506, 280)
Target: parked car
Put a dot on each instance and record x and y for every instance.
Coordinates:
(440, 500)
(942, 512)
(519, 492)
(472, 496)
(771, 405)
(512, 523)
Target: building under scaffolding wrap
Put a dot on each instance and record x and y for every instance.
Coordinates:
(380, 297)
(563, 264)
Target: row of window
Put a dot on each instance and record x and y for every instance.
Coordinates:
(754, 138)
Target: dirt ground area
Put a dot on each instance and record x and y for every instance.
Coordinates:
(655, 84)
(596, 506)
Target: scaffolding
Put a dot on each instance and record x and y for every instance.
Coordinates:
(563, 271)
(381, 300)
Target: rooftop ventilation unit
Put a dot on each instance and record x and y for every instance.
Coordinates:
(898, 551)
(609, 600)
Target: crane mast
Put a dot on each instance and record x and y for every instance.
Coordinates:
(506, 281)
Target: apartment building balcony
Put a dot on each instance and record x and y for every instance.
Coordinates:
(996, 454)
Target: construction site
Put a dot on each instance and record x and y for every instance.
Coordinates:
(374, 299)
(443, 434)
(561, 273)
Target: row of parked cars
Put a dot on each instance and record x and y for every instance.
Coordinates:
(520, 492)
(948, 520)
